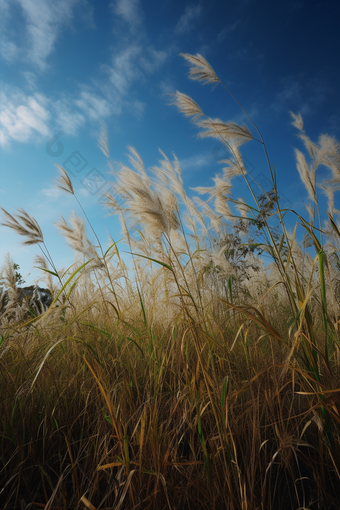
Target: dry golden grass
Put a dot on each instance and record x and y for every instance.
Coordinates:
(197, 378)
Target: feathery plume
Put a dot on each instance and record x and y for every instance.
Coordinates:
(222, 207)
(307, 177)
(310, 146)
(193, 215)
(28, 227)
(77, 238)
(330, 157)
(170, 174)
(226, 131)
(222, 187)
(103, 142)
(219, 193)
(40, 262)
(243, 208)
(187, 106)
(64, 182)
(210, 213)
(311, 213)
(329, 192)
(219, 260)
(136, 161)
(297, 121)
(205, 190)
(111, 203)
(156, 209)
(234, 169)
(200, 69)
(7, 277)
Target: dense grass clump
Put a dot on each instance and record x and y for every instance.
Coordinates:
(198, 377)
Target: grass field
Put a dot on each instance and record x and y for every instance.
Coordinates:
(203, 373)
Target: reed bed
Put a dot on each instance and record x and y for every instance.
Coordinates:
(196, 374)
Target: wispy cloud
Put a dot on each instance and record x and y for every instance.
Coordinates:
(133, 63)
(95, 107)
(137, 108)
(31, 80)
(9, 51)
(196, 162)
(300, 95)
(25, 117)
(152, 59)
(43, 23)
(129, 11)
(8, 48)
(188, 18)
(28, 113)
(67, 117)
(334, 122)
(52, 193)
(22, 117)
(229, 29)
(124, 69)
(167, 87)
(288, 96)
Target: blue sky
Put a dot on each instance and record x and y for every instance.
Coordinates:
(67, 66)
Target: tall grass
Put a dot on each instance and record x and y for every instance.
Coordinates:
(199, 377)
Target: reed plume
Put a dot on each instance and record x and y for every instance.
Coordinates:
(64, 182)
(25, 225)
(200, 69)
(75, 234)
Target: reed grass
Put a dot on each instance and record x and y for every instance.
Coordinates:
(199, 377)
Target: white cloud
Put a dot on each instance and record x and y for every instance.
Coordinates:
(26, 113)
(228, 30)
(31, 79)
(22, 117)
(137, 108)
(186, 21)
(196, 162)
(300, 94)
(52, 193)
(288, 96)
(133, 58)
(124, 68)
(167, 87)
(44, 21)
(93, 106)
(129, 11)
(86, 13)
(68, 119)
(30, 116)
(84, 193)
(8, 49)
(4, 7)
(131, 64)
(152, 59)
